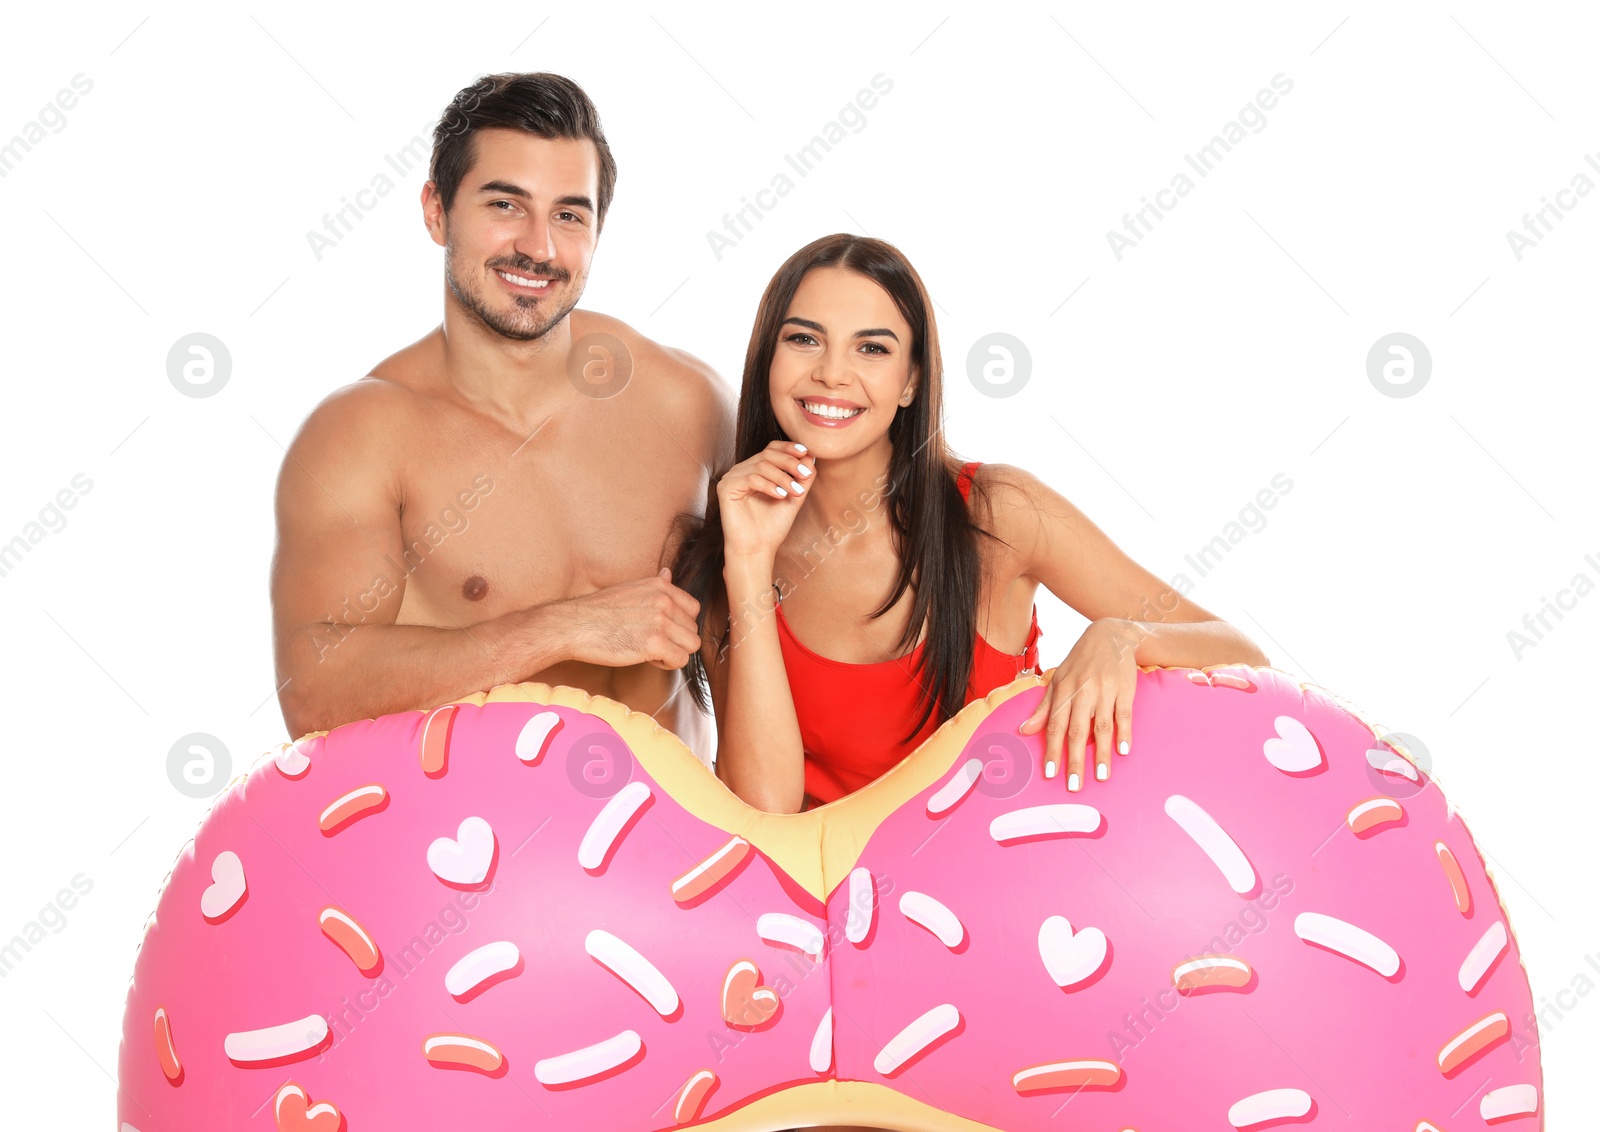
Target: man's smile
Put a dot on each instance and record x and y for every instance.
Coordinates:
(525, 283)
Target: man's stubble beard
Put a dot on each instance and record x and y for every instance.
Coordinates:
(525, 324)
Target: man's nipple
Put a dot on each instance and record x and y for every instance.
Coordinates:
(475, 587)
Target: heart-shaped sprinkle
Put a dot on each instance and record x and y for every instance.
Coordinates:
(466, 858)
(227, 887)
(1069, 956)
(745, 1002)
(293, 759)
(1294, 749)
(296, 1113)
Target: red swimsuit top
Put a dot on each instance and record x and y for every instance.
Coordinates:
(852, 716)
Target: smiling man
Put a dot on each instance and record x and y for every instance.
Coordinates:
(492, 503)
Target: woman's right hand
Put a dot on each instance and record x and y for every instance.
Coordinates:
(759, 498)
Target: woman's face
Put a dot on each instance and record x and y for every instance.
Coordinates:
(842, 367)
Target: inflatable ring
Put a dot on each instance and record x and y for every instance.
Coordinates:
(534, 908)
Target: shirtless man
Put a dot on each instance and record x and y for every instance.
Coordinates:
(492, 503)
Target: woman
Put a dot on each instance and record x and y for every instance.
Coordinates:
(847, 524)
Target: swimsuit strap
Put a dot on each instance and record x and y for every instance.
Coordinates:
(964, 480)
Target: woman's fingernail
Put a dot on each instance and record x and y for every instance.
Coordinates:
(1072, 782)
(805, 471)
(1122, 747)
(1049, 770)
(1101, 771)
(797, 488)
(799, 447)
(780, 491)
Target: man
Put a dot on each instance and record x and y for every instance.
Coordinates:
(492, 503)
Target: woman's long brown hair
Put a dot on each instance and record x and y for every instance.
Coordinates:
(931, 530)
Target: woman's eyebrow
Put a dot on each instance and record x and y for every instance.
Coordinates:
(880, 332)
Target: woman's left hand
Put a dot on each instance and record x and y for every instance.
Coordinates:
(1089, 699)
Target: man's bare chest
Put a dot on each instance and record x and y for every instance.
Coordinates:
(485, 531)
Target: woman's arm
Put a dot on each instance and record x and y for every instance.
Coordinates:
(1063, 550)
(760, 756)
(1134, 618)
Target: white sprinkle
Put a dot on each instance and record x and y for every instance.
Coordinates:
(719, 865)
(590, 1061)
(822, 1044)
(535, 735)
(1509, 1100)
(479, 965)
(1391, 762)
(1348, 940)
(1059, 820)
(1274, 1104)
(1211, 963)
(272, 1042)
(633, 969)
(608, 824)
(790, 931)
(1070, 957)
(916, 1037)
(1482, 956)
(465, 858)
(453, 1042)
(1293, 749)
(1214, 841)
(863, 905)
(956, 787)
(920, 908)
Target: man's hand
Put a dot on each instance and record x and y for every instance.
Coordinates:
(633, 622)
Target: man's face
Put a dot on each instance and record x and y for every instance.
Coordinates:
(521, 234)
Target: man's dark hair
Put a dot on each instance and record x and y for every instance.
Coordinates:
(547, 105)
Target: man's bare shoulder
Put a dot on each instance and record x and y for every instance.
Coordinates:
(682, 385)
(350, 437)
(674, 370)
(365, 407)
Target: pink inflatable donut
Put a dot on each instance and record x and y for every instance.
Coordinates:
(535, 909)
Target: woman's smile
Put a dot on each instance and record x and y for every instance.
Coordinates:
(828, 412)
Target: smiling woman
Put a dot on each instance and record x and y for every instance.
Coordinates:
(927, 605)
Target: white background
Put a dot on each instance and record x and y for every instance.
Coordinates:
(1167, 388)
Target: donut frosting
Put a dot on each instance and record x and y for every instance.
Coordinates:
(539, 910)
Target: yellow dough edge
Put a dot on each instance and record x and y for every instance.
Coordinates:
(829, 1102)
(790, 840)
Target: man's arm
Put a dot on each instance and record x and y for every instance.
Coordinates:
(338, 581)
